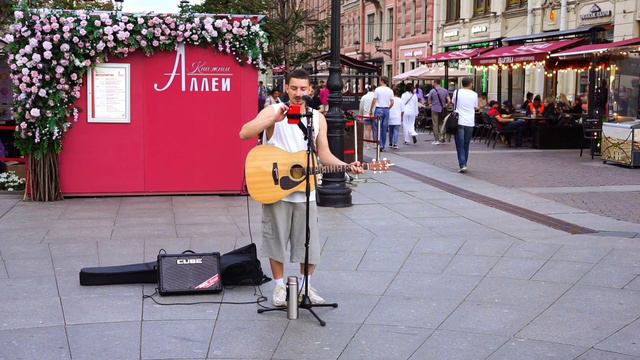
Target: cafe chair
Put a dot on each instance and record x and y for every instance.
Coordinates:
(496, 133)
(591, 130)
(482, 127)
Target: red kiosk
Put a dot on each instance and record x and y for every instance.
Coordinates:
(175, 133)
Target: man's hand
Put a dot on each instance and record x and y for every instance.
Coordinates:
(280, 113)
(356, 168)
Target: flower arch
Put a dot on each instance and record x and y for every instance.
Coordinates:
(49, 51)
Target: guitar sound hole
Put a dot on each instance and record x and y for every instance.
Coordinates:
(297, 172)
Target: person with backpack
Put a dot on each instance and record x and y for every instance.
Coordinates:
(438, 100)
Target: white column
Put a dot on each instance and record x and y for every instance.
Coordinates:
(564, 19)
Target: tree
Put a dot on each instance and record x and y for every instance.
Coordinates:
(287, 22)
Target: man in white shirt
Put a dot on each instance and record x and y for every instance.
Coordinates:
(382, 102)
(365, 111)
(466, 103)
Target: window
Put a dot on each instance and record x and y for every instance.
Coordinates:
(453, 10)
(424, 16)
(402, 68)
(389, 71)
(370, 28)
(412, 65)
(390, 26)
(514, 4)
(403, 24)
(481, 7)
(381, 27)
(413, 18)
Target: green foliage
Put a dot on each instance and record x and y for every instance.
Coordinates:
(285, 22)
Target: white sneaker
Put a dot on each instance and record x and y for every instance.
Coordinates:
(279, 296)
(435, 143)
(313, 296)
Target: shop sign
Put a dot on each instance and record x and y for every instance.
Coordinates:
(417, 53)
(597, 12)
(451, 33)
(408, 53)
(201, 75)
(479, 29)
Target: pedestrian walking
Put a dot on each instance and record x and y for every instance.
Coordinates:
(410, 104)
(395, 120)
(466, 101)
(438, 100)
(382, 102)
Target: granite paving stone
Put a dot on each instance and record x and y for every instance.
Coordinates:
(457, 345)
(384, 342)
(426, 263)
(486, 247)
(625, 341)
(581, 254)
(30, 313)
(17, 250)
(118, 340)
(610, 276)
(301, 341)
(517, 292)
(433, 286)
(516, 268)
(532, 251)
(523, 349)
(341, 260)
(176, 339)
(101, 308)
(257, 338)
(488, 318)
(352, 308)
(470, 265)
(411, 311)
(375, 260)
(19, 268)
(34, 343)
(562, 271)
(438, 245)
(634, 284)
(605, 355)
(353, 282)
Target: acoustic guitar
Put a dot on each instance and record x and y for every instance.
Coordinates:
(272, 174)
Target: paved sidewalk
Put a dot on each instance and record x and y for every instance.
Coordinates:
(418, 273)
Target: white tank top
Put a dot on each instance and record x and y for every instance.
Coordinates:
(290, 138)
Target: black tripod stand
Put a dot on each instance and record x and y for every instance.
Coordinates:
(310, 171)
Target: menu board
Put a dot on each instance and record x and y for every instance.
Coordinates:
(109, 97)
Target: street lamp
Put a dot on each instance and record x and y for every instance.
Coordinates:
(333, 191)
(377, 43)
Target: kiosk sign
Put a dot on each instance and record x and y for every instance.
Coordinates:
(596, 12)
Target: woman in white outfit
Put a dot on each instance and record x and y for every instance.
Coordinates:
(410, 103)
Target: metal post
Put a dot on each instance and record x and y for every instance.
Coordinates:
(333, 191)
(500, 84)
(510, 85)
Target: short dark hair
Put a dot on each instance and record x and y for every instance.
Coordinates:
(408, 87)
(529, 95)
(384, 79)
(492, 103)
(466, 82)
(297, 74)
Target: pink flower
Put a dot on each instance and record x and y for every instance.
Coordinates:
(97, 23)
(18, 15)
(48, 55)
(42, 92)
(23, 125)
(35, 112)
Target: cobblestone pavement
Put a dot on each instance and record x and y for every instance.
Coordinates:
(524, 168)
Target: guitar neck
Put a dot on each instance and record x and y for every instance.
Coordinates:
(329, 169)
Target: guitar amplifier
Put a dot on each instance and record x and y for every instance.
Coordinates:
(189, 273)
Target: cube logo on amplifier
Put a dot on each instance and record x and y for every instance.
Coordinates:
(189, 273)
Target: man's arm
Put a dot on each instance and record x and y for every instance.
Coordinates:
(373, 106)
(265, 120)
(324, 153)
(391, 103)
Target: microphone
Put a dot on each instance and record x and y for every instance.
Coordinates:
(294, 114)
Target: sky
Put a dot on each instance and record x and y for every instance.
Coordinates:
(158, 6)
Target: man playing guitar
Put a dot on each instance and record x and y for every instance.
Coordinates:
(284, 221)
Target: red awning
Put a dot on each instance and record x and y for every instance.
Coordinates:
(454, 55)
(590, 49)
(522, 53)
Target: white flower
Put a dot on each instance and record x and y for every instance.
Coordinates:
(35, 112)
(9, 38)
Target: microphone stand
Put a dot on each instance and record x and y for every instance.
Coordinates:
(310, 171)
